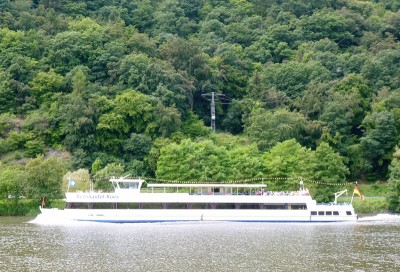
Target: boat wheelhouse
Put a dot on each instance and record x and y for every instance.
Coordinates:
(131, 203)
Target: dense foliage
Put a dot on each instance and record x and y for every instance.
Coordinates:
(305, 88)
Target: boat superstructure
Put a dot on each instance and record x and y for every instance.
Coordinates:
(131, 203)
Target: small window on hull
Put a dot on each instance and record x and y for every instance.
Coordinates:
(335, 213)
(313, 213)
(321, 213)
(348, 212)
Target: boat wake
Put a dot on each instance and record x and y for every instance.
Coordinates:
(381, 217)
(43, 219)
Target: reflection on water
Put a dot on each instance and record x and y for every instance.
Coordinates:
(362, 246)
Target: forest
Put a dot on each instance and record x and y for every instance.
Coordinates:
(300, 88)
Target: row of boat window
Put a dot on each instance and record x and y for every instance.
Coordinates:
(252, 206)
(328, 213)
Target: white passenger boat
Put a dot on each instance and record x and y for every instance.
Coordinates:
(130, 203)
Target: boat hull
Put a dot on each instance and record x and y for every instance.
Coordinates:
(179, 215)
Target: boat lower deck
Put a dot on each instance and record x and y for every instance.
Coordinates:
(178, 215)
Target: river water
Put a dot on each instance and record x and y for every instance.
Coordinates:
(371, 244)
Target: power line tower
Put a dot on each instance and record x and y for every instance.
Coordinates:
(212, 97)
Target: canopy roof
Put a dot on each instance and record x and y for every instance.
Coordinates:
(205, 185)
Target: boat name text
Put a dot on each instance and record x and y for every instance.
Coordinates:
(97, 196)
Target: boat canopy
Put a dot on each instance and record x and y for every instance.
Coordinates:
(122, 183)
(205, 185)
(125, 180)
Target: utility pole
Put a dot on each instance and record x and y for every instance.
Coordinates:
(212, 112)
(212, 97)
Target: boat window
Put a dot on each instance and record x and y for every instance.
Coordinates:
(313, 213)
(321, 213)
(298, 206)
(348, 212)
(133, 185)
(176, 206)
(328, 213)
(199, 206)
(149, 206)
(335, 213)
(229, 206)
(250, 206)
(276, 206)
(128, 206)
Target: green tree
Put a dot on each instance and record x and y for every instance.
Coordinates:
(339, 116)
(7, 123)
(387, 100)
(287, 162)
(245, 162)
(186, 55)
(103, 175)
(131, 68)
(111, 130)
(45, 84)
(333, 25)
(168, 120)
(312, 102)
(381, 69)
(7, 98)
(143, 15)
(42, 123)
(193, 161)
(326, 165)
(379, 139)
(34, 147)
(80, 45)
(170, 18)
(267, 128)
(137, 110)
(154, 154)
(12, 182)
(78, 114)
(136, 147)
(293, 77)
(44, 177)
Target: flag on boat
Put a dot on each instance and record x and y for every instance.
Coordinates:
(72, 183)
(357, 191)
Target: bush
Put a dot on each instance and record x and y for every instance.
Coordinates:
(370, 205)
(27, 207)
(22, 207)
(34, 147)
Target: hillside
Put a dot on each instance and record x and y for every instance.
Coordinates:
(301, 88)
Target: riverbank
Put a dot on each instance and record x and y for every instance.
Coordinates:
(26, 207)
(371, 206)
(21, 207)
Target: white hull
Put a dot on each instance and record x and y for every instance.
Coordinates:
(170, 215)
(200, 202)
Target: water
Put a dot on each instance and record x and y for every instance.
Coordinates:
(372, 244)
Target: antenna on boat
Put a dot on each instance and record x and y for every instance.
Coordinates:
(301, 185)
